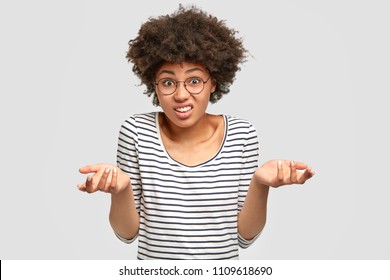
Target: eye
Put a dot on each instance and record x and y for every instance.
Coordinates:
(167, 82)
(193, 81)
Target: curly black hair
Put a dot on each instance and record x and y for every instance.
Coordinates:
(190, 35)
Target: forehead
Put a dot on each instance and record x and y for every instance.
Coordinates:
(180, 68)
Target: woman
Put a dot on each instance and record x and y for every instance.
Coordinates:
(187, 183)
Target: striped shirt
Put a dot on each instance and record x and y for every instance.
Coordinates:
(187, 212)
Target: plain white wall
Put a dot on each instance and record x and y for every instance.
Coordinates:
(314, 88)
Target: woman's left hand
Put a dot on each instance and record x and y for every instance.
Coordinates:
(276, 173)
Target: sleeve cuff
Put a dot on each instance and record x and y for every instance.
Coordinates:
(127, 241)
(244, 243)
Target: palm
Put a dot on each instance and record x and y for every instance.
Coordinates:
(276, 173)
(106, 178)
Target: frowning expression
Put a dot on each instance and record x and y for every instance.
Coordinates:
(183, 91)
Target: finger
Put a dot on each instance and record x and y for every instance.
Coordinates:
(89, 188)
(300, 165)
(103, 180)
(114, 179)
(280, 171)
(293, 172)
(81, 187)
(307, 174)
(90, 168)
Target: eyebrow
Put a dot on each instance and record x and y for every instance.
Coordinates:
(188, 71)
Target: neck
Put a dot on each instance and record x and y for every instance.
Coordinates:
(199, 132)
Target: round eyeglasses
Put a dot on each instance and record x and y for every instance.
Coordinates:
(194, 85)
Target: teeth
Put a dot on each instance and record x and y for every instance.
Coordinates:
(183, 109)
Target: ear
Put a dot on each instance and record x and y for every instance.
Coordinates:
(213, 85)
(156, 102)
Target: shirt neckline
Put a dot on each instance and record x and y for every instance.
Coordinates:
(225, 120)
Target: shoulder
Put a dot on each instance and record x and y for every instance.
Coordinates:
(140, 118)
(235, 123)
(139, 121)
(242, 132)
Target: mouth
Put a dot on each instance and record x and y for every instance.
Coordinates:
(183, 109)
(184, 112)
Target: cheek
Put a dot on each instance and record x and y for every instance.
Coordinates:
(165, 103)
(204, 101)
(162, 102)
(160, 99)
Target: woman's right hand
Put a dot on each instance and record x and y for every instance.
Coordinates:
(106, 178)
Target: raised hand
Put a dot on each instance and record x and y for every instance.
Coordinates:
(276, 173)
(106, 178)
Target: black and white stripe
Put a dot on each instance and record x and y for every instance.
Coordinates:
(187, 212)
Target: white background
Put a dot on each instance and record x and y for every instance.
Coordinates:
(314, 88)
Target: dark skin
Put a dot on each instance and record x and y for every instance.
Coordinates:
(186, 130)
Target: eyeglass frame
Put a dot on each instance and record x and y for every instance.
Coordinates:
(185, 86)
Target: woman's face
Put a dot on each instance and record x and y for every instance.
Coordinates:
(184, 109)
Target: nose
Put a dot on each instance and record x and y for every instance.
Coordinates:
(181, 92)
